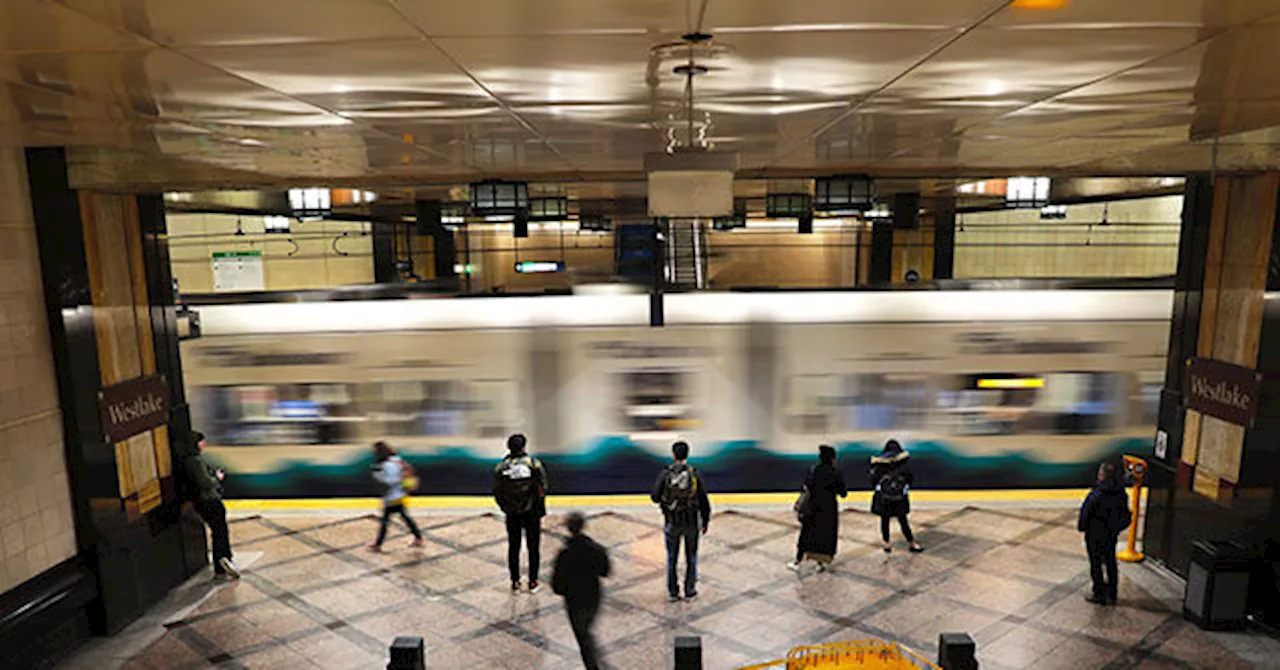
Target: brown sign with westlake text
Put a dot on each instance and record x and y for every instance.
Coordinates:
(133, 407)
(1228, 392)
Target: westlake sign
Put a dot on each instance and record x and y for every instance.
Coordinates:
(133, 407)
(1228, 392)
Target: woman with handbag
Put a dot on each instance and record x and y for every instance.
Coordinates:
(819, 512)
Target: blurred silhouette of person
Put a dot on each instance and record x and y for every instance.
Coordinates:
(820, 521)
(682, 493)
(578, 570)
(397, 475)
(891, 477)
(520, 489)
(206, 481)
(1103, 515)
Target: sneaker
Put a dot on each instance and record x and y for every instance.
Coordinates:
(915, 549)
(822, 567)
(534, 587)
(375, 548)
(673, 599)
(515, 587)
(888, 548)
(794, 567)
(1096, 600)
(232, 571)
(417, 542)
(221, 577)
(691, 596)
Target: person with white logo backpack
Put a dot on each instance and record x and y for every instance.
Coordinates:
(520, 489)
(682, 495)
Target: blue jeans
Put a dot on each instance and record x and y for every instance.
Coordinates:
(674, 534)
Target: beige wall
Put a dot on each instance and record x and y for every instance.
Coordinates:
(1075, 247)
(312, 264)
(36, 527)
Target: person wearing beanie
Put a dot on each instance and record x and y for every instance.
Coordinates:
(819, 512)
(207, 482)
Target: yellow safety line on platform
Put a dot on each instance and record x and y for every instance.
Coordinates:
(486, 502)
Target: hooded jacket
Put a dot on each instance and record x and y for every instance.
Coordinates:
(1105, 511)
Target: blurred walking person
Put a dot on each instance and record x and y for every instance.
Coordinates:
(520, 489)
(398, 476)
(819, 512)
(891, 477)
(206, 482)
(1104, 514)
(578, 570)
(682, 494)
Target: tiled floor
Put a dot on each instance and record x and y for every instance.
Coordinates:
(1013, 578)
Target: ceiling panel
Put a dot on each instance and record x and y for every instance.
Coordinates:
(1118, 14)
(735, 16)
(241, 22)
(36, 25)
(547, 17)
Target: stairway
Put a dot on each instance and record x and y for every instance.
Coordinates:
(686, 254)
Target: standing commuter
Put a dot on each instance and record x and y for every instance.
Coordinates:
(207, 482)
(820, 522)
(682, 494)
(578, 570)
(1102, 516)
(394, 473)
(520, 488)
(892, 478)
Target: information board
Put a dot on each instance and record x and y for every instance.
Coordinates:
(238, 271)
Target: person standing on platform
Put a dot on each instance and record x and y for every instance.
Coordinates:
(520, 488)
(206, 481)
(682, 494)
(1103, 515)
(820, 512)
(578, 570)
(891, 477)
(397, 475)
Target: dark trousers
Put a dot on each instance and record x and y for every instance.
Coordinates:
(387, 511)
(902, 523)
(689, 535)
(530, 525)
(215, 516)
(582, 616)
(1102, 565)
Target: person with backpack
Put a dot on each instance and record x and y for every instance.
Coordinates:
(819, 512)
(520, 489)
(1104, 514)
(891, 477)
(397, 475)
(205, 484)
(682, 494)
(578, 570)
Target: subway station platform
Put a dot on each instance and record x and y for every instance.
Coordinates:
(1013, 577)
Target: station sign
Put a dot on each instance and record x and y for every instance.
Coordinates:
(134, 406)
(1228, 392)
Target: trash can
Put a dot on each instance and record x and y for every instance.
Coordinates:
(1218, 585)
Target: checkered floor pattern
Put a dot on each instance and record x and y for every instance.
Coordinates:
(1012, 578)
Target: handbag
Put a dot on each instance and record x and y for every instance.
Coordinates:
(804, 504)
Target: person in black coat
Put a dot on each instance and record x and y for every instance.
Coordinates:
(1102, 516)
(891, 478)
(578, 570)
(820, 518)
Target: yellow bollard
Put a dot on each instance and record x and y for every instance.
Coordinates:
(1138, 468)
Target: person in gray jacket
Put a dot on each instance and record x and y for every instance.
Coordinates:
(207, 482)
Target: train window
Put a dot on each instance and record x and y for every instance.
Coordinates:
(810, 400)
(655, 403)
(493, 409)
(275, 414)
(880, 402)
(1012, 404)
(435, 408)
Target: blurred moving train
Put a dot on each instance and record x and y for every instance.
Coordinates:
(988, 389)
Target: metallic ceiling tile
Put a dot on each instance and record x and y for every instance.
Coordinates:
(548, 17)
(38, 25)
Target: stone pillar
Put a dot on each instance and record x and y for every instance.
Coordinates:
(109, 298)
(944, 238)
(881, 270)
(1217, 480)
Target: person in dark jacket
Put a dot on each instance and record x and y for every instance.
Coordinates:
(520, 489)
(820, 522)
(891, 477)
(1103, 515)
(578, 570)
(206, 481)
(682, 493)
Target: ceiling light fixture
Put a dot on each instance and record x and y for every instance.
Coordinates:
(310, 203)
(1026, 192)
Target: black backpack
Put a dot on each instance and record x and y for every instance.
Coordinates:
(893, 486)
(680, 489)
(519, 482)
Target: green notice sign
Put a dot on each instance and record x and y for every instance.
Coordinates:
(237, 254)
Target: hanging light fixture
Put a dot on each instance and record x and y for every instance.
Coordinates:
(1026, 192)
(310, 203)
